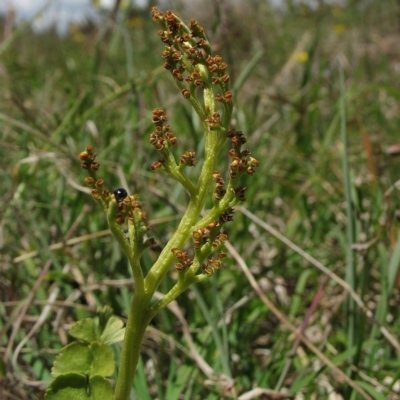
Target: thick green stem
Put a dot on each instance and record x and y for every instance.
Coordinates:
(183, 232)
(138, 320)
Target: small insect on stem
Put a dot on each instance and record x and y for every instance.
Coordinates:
(120, 194)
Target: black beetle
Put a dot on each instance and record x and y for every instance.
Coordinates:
(120, 194)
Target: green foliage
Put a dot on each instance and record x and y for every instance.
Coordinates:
(77, 386)
(90, 359)
(108, 329)
(83, 368)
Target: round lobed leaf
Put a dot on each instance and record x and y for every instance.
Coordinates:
(77, 387)
(84, 330)
(89, 360)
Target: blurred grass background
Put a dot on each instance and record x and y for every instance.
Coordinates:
(317, 93)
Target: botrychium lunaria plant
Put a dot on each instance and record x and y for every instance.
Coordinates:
(195, 249)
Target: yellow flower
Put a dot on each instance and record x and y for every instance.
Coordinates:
(339, 29)
(301, 56)
(134, 22)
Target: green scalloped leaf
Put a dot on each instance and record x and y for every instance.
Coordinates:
(107, 328)
(68, 386)
(76, 387)
(89, 360)
(114, 331)
(102, 360)
(73, 358)
(100, 388)
(85, 330)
